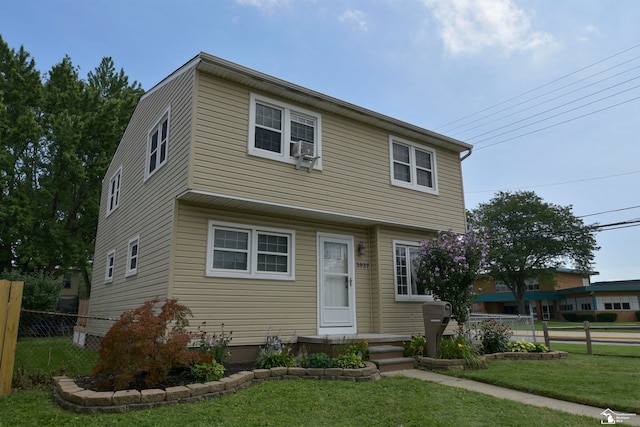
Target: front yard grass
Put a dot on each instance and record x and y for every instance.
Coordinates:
(394, 401)
(607, 381)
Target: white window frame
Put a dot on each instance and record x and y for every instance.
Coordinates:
(409, 296)
(133, 242)
(609, 303)
(110, 268)
(251, 272)
(413, 184)
(287, 111)
(113, 197)
(158, 163)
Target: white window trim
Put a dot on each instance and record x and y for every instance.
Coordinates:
(116, 176)
(252, 261)
(110, 255)
(132, 271)
(413, 185)
(287, 109)
(410, 297)
(157, 126)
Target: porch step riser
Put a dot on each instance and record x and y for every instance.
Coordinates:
(385, 366)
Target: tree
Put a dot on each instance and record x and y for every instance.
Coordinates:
(528, 237)
(447, 265)
(20, 148)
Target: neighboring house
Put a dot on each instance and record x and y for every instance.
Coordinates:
(572, 293)
(264, 205)
(69, 299)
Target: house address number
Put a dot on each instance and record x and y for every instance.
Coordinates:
(363, 265)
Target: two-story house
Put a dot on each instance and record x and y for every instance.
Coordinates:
(264, 205)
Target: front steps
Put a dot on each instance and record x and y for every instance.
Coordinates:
(388, 358)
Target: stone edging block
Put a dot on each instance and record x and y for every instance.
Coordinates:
(73, 398)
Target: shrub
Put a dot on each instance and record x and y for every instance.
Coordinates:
(316, 360)
(587, 317)
(494, 336)
(271, 359)
(607, 317)
(138, 345)
(540, 347)
(217, 345)
(416, 347)
(521, 346)
(460, 348)
(348, 361)
(638, 315)
(570, 317)
(205, 372)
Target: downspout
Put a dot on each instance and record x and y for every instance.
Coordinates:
(466, 155)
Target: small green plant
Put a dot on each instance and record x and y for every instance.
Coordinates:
(217, 345)
(269, 359)
(540, 347)
(494, 336)
(316, 360)
(521, 346)
(275, 353)
(460, 347)
(416, 347)
(348, 361)
(207, 371)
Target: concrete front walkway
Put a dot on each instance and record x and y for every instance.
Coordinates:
(518, 396)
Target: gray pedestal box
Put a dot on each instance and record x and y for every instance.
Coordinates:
(436, 315)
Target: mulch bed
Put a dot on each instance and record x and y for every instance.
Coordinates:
(173, 379)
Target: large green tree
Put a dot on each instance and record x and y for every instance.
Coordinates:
(20, 148)
(57, 138)
(528, 237)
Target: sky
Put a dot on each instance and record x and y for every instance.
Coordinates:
(547, 91)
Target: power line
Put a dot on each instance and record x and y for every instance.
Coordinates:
(553, 184)
(540, 87)
(555, 124)
(610, 211)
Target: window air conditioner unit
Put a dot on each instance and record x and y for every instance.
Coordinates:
(302, 148)
(304, 151)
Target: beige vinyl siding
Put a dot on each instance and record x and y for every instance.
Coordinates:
(252, 307)
(398, 317)
(146, 207)
(355, 178)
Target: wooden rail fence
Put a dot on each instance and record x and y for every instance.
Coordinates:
(587, 332)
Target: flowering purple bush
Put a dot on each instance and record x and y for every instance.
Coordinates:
(447, 266)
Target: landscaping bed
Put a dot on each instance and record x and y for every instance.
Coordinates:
(70, 396)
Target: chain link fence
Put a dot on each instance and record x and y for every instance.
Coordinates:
(523, 327)
(52, 343)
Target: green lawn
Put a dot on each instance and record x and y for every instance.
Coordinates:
(395, 401)
(609, 380)
(604, 381)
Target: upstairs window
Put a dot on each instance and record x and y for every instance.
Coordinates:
(133, 253)
(236, 250)
(275, 127)
(113, 197)
(413, 166)
(157, 146)
(405, 280)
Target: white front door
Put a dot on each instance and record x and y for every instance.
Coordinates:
(336, 285)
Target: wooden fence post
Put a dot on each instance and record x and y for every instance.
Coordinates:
(547, 341)
(587, 333)
(10, 302)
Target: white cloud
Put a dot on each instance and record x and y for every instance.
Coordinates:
(266, 6)
(588, 32)
(356, 18)
(471, 26)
